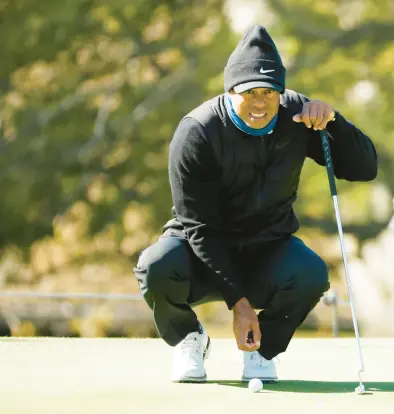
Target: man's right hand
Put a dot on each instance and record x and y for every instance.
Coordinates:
(245, 321)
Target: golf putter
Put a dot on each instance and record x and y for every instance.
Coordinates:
(331, 179)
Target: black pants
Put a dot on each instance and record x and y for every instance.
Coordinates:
(284, 278)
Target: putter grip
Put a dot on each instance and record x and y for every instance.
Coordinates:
(329, 165)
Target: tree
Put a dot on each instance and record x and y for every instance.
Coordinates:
(93, 92)
(342, 52)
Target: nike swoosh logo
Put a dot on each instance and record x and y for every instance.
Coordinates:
(266, 71)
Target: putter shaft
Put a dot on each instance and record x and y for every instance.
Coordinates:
(333, 189)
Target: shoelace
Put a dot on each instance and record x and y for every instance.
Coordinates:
(191, 344)
(258, 359)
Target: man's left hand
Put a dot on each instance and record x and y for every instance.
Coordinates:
(316, 114)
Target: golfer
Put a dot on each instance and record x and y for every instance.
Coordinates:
(234, 169)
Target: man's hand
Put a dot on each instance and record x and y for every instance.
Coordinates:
(246, 326)
(316, 114)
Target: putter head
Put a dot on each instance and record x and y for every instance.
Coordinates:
(360, 389)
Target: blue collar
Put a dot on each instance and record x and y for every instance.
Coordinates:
(237, 121)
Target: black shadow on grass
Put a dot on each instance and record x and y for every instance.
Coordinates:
(314, 386)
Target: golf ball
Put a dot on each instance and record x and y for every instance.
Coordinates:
(255, 385)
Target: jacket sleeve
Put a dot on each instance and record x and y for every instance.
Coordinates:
(194, 173)
(353, 153)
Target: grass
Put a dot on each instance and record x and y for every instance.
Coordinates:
(97, 376)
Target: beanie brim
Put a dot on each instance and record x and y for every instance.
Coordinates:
(257, 84)
(257, 70)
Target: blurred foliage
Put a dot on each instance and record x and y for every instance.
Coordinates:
(342, 52)
(92, 90)
(91, 93)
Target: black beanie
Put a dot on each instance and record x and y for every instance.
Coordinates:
(255, 63)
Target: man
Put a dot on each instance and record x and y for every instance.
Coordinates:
(234, 167)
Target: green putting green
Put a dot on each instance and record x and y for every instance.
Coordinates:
(97, 376)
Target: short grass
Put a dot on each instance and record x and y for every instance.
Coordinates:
(97, 376)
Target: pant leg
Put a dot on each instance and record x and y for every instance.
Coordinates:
(287, 282)
(171, 280)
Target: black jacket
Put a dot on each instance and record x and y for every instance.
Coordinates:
(233, 189)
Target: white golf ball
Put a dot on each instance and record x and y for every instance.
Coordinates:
(255, 385)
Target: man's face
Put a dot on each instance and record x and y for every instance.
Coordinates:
(256, 107)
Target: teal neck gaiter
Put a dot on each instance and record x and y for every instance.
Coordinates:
(237, 121)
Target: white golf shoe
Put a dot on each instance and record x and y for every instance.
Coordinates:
(256, 366)
(189, 355)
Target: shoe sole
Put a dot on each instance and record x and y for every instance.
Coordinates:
(197, 379)
(191, 380)
(263, 380)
